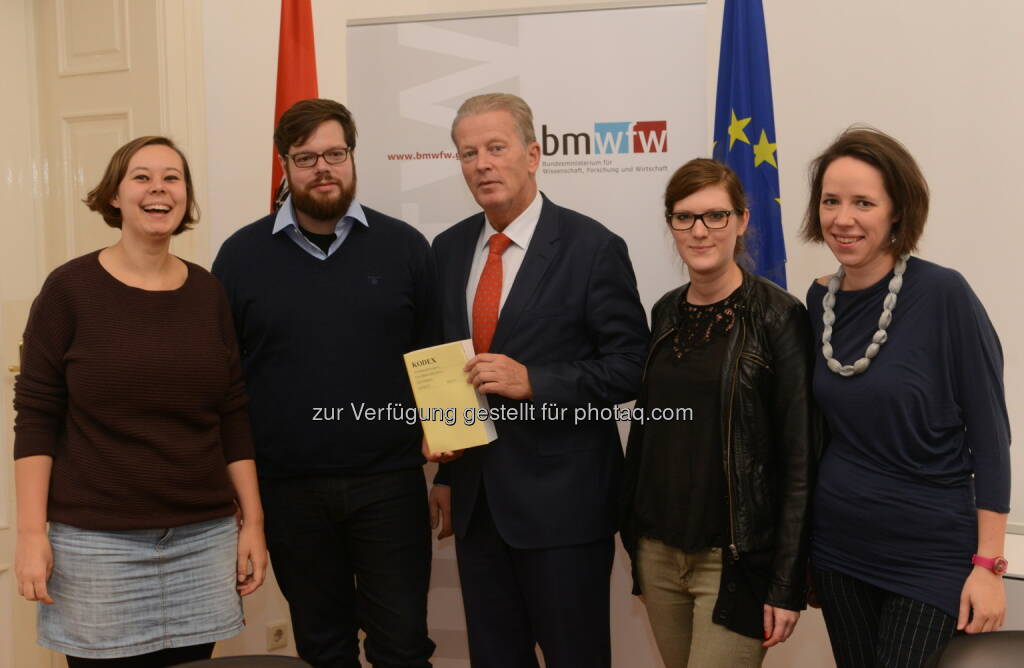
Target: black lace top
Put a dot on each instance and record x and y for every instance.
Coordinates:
(681, 496)
(700, 323)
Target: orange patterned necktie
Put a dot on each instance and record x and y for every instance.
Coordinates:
(488, 295)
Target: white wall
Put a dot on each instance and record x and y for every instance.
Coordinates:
(941, 75)
(944, 77)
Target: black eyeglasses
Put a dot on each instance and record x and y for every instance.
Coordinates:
(713, 220)
(332, 156)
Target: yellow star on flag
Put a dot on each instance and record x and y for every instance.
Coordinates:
(764, 151)
(736, 126)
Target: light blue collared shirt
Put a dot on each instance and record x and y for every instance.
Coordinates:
(285, 220)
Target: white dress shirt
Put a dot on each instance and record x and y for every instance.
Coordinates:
(287, 220)
(520, 231)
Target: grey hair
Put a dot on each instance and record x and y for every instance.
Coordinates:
(522, 115)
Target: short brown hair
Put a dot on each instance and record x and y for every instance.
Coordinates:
(99, 198)
(305, 116)
(902, 178)
(701, 173)
(522, 115)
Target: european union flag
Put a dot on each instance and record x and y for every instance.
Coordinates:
(745, 131)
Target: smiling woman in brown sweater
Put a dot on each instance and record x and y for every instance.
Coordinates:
(132, 439)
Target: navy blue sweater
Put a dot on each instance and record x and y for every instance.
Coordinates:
(322, 344)
(917, 442)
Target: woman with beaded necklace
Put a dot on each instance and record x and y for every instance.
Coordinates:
(715, 509)
(906, 548)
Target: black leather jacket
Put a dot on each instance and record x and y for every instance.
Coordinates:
(771, 439)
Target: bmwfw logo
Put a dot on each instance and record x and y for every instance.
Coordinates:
(608, 138)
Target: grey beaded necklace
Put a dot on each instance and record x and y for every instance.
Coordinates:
(880, 336)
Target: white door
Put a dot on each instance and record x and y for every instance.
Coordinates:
(82, 78)
(21, 185)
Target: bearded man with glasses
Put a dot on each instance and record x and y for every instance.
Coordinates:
(327, 295)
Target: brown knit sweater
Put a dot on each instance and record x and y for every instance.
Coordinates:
(136, 394)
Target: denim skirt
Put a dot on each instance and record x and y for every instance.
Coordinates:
(124, 593)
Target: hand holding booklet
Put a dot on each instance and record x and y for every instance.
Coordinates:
(447, 404)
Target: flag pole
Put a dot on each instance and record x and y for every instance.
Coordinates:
(296, 75)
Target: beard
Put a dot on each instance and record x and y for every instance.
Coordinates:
(320, 207)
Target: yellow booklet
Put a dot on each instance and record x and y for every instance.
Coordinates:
(449, 407)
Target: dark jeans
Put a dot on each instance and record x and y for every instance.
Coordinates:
(516, 599)
(870, 627)
(352, 553)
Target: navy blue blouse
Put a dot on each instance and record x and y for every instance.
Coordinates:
(917, 442)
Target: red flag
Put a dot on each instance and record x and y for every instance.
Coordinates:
(296, 68)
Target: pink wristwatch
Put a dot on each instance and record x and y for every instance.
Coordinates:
(995, 564)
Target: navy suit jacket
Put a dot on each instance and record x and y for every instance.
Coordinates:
(573, 317)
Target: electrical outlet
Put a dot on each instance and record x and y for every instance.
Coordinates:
(277, 635)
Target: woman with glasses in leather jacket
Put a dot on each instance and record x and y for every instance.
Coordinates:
(718, 472)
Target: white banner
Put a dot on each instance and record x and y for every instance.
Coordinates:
(618, 98)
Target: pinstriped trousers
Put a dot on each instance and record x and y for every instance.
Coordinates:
(873, 628)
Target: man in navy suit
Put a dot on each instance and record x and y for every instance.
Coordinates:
(550, 299)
